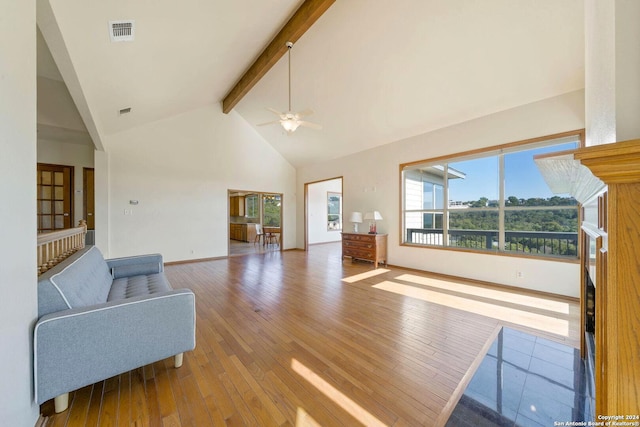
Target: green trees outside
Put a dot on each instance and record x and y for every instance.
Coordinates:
(271, 214)
(541, 221)
(552, 220)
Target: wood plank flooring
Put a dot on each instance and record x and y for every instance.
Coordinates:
(244, 248)
(304, 339)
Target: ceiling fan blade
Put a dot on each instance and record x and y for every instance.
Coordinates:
(310, 125)
(273, 110)
(304, 113)
(269, 123)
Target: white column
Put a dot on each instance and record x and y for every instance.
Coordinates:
(612, 67)
(19, 306)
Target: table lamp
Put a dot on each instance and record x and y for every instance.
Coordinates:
(372, 217)
(356, 218)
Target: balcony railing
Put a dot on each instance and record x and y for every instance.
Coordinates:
(533, 242)
(55, 246)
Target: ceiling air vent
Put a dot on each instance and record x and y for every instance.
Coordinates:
(125, 110)
(122, 31)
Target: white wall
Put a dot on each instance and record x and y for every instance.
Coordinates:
(76, 155)
(612, 66)
(317, 212)
(179, 169)
(627, 70)
(371, 181)
(55, 106)
(19, 303)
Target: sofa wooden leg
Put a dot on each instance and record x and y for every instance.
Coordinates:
(61, 403)
(177, 359)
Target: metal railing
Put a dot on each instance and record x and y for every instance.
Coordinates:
(533, 242)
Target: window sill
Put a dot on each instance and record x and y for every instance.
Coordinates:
(569, 260)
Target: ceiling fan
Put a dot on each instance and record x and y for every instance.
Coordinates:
(290, 120)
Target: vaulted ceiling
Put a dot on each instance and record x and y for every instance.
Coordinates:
(373, 71)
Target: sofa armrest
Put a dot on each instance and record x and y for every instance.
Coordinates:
(135, 265)
(78, 347)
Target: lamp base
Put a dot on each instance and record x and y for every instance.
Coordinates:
(355, 227)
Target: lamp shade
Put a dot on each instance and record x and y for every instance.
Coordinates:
(356, 217)
(375, 216)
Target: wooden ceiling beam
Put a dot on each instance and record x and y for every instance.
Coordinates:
(300, 22)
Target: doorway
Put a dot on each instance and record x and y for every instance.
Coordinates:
(54, 197)
(255, 222)
(323, 212)
(89, 197)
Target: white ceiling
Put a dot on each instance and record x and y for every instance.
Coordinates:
(373, 71)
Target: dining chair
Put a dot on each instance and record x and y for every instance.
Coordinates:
(259, 234)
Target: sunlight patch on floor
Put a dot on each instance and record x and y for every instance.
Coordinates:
(503, 296)
(365, 275)
(496, 311)
(303, 419)
(355, 410)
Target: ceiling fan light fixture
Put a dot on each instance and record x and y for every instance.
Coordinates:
(290, 125)
(290, 120)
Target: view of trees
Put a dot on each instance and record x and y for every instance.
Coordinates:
(537, 201)
(272, 206)
(526, 220)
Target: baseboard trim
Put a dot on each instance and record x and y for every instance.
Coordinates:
(42, 421)
(189, 261)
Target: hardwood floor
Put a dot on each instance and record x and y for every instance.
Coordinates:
(295, 338)
(244, 248)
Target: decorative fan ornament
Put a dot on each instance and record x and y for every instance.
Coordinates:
(291, 120)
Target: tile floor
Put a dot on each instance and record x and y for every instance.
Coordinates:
(525, 381)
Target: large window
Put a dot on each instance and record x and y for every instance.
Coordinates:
(496, 201)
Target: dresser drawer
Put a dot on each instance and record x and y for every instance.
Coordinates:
(358, 244)
(358, 253)
(360, 238)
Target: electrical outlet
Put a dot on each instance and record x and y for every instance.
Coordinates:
(519, 275)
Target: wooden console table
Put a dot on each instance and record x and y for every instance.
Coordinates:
(369, 247)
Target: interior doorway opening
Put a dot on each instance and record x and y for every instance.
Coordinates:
(255, 222)
(323, 211)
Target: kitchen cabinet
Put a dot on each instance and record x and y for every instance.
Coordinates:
(236, 206)
(242, 232)
(238, 232)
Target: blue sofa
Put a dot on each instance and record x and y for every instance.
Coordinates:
(99, 318)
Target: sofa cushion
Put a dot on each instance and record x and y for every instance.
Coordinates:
(86, 281)
(50, 300)
(129, 287)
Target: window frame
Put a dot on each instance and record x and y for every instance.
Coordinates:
(499, 150)
(252, 201)
(338, 196)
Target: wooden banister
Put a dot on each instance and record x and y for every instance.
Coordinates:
(55, 246)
